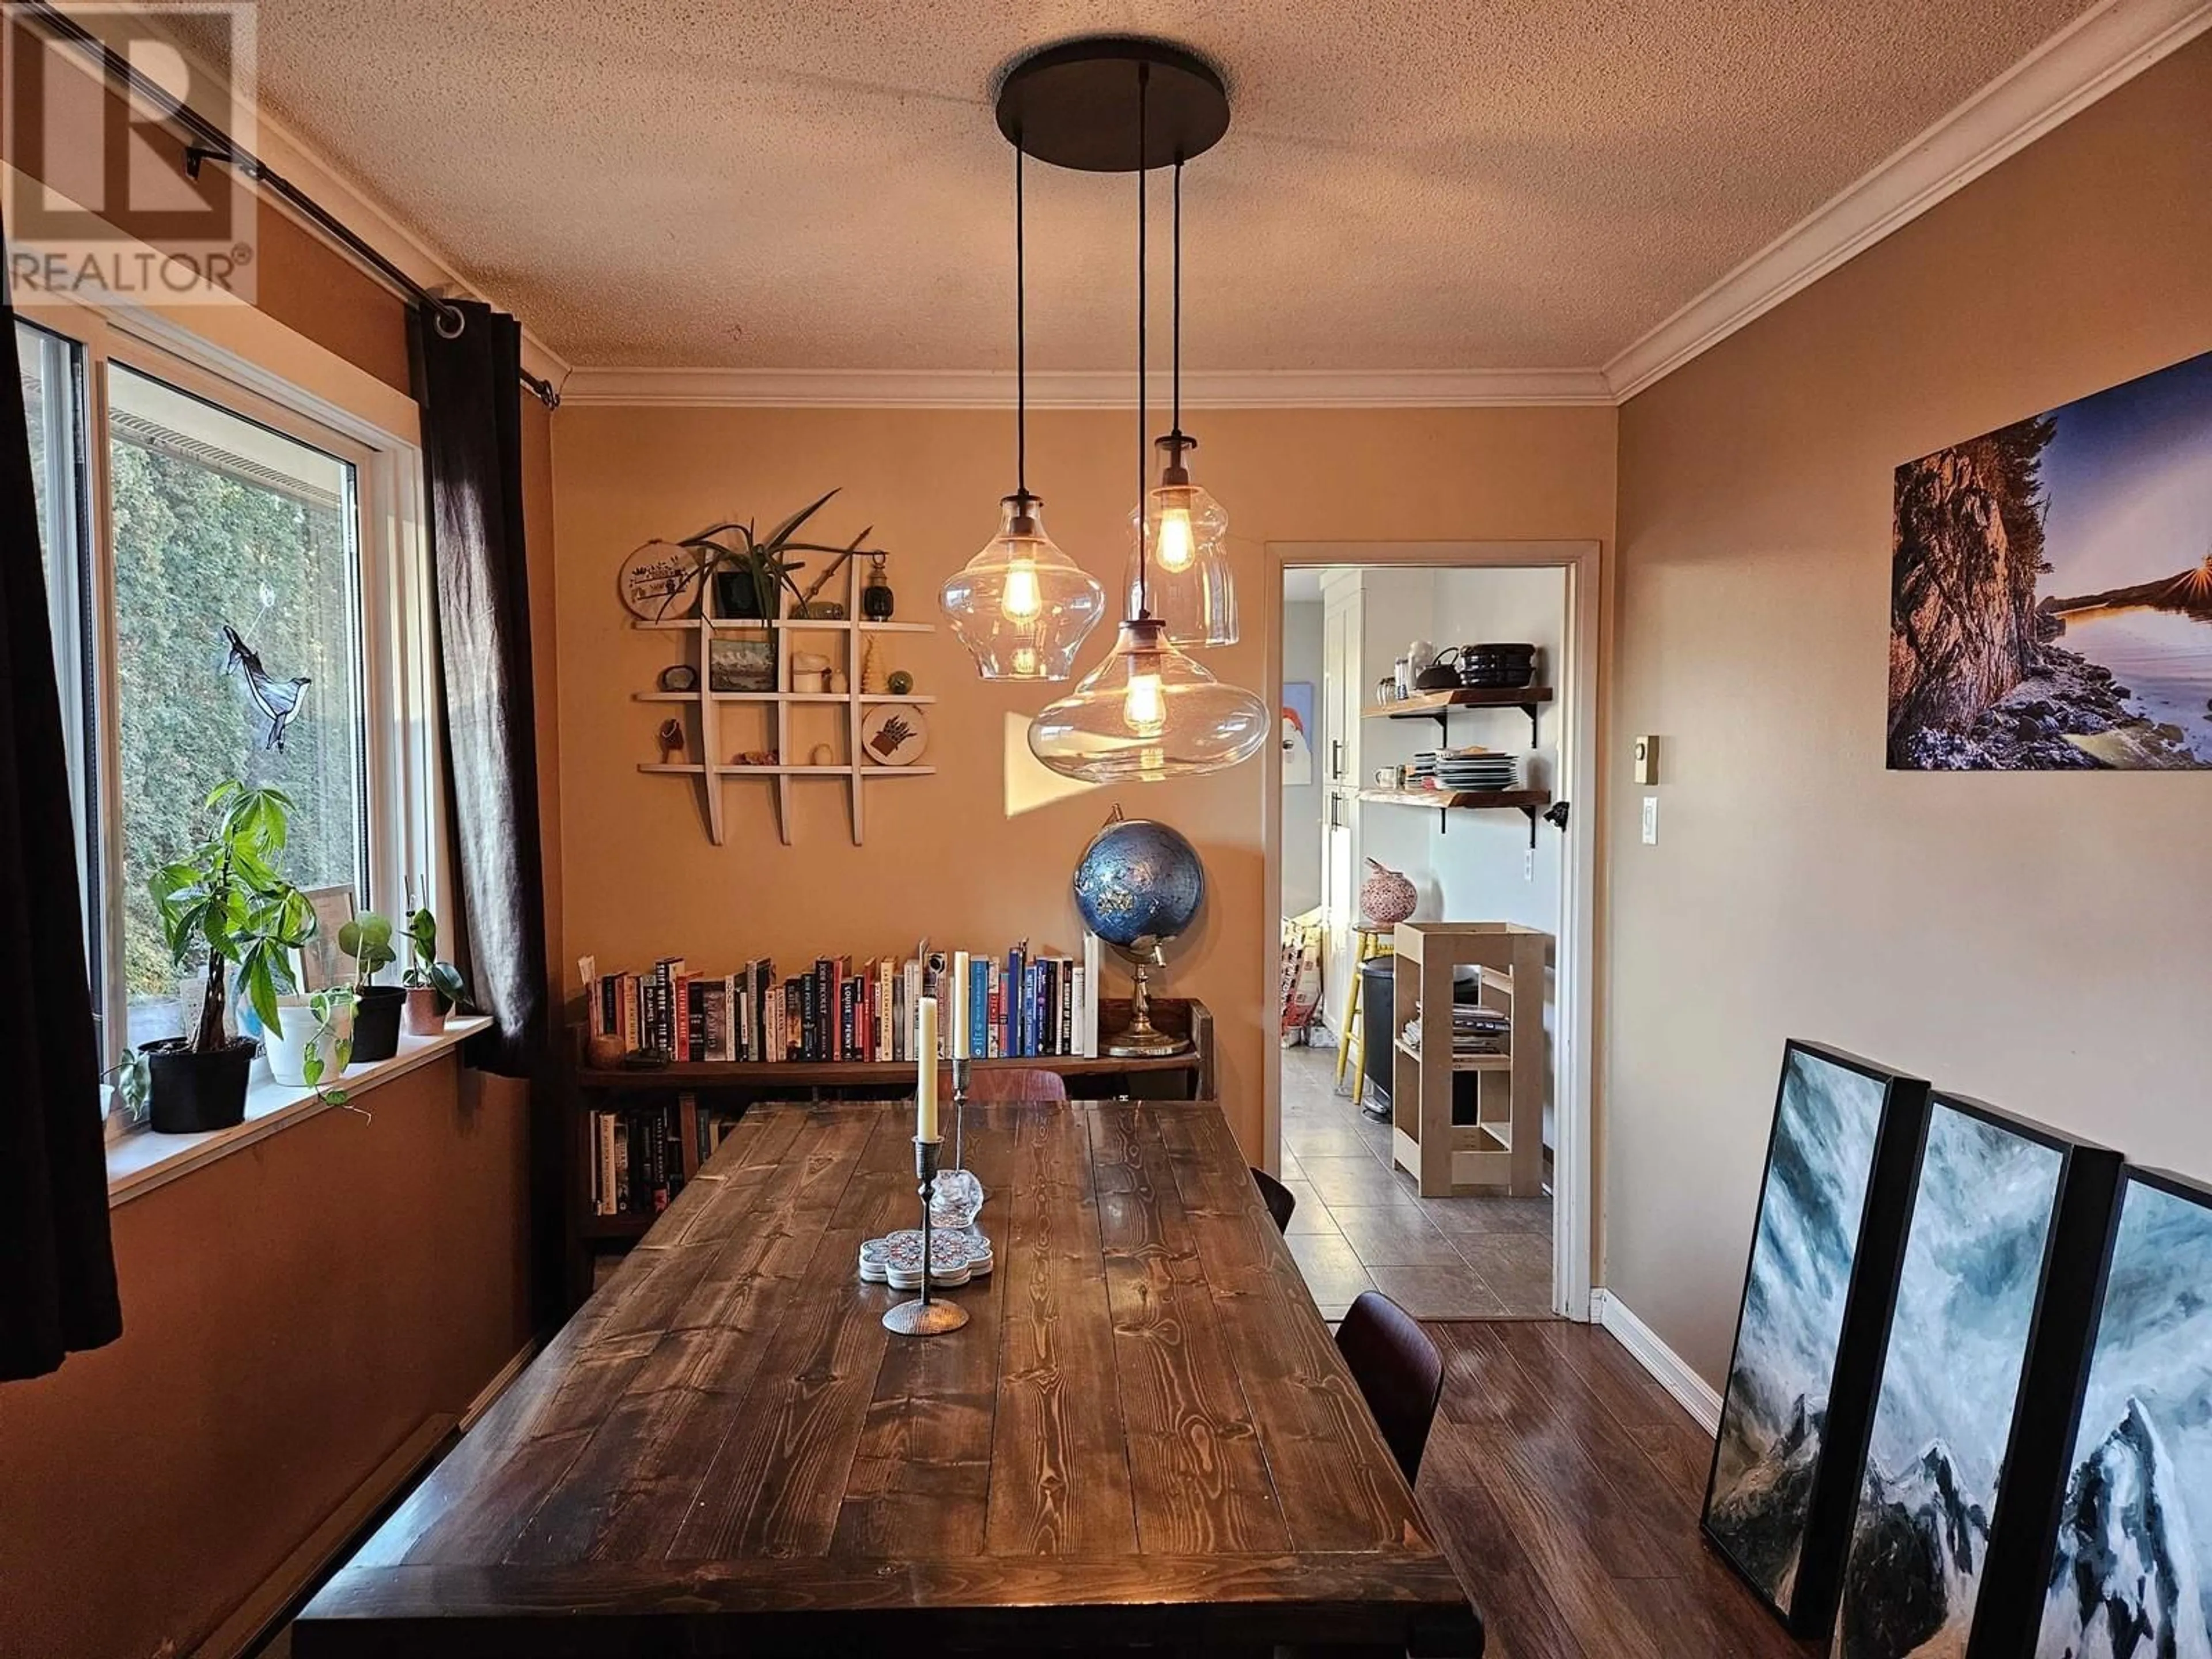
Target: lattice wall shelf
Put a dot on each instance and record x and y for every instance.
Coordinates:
(703, 735)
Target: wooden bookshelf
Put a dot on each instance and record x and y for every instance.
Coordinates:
(729, 1087)
(1504, 1146)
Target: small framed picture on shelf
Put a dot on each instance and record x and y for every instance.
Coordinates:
(741, 664)
(322, 964)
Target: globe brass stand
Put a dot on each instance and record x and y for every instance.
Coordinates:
(1142, 1040)
(924, 1316)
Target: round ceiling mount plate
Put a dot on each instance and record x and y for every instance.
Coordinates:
(1075, 105)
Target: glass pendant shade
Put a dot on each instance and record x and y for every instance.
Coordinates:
(1188, 585)
(1148, 712)
(1021, 606)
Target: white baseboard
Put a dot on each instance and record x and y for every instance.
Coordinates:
(1692, 1392)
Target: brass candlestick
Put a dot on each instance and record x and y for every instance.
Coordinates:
(924, 1316)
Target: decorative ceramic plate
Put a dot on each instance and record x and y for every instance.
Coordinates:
(659, 581)
(894, 733)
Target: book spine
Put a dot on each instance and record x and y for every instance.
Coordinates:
(1066, 1005)
(608, 1200)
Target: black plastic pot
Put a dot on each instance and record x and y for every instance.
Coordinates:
(735, 594)
(376, 1022)
(188, 1094)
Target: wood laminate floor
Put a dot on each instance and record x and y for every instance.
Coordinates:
(1565, 1486)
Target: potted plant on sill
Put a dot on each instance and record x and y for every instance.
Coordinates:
(224, 905)
(368, 940)
(312, 1040)
(433, 987)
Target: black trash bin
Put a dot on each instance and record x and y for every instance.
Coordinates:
(1377, 993)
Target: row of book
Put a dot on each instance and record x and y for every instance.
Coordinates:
(637, 1160)
(637, 1152)
(1024, 1005)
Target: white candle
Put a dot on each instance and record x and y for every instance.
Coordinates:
(960, 1014)
(925, 1086)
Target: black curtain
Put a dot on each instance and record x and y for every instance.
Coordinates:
(57, 1266)
(470, 391)
(470, 388)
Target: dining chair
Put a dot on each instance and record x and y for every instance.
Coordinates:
(1281, 1201)
(1400, 1372)
(1015, 1083)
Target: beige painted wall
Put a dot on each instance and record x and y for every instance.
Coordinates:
(2040, 940)
(943, 857)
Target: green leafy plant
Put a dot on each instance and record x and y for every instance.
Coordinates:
(133, 1079)
(424, 969)
(224, 903)
(324, 1007)
(368, 940)
(764, 559)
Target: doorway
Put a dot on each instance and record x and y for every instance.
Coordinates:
(1505, 872)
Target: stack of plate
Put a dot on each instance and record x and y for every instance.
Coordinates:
(1476, 771)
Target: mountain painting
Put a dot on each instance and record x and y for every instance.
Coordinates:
(2052, 588)
(2131, 1571)
(1820, 1166)
(1967, 1297)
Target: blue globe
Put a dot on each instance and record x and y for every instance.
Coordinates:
(1139, 883)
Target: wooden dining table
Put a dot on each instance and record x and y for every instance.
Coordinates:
(1144, 1435)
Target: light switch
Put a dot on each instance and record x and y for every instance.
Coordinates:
(1647, 761)
(1651, 820)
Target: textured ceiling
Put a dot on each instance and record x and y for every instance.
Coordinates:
(1532, 183)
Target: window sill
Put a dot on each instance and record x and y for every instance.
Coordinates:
(140, 1161)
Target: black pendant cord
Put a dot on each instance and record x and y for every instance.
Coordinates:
(1144, 434)
(1021, 346)
(1175, 425)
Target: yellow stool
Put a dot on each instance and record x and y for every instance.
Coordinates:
(1373, 942)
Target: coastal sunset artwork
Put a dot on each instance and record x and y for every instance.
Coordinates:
(2052, 588)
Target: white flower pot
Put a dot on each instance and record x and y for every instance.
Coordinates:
(287, 1043)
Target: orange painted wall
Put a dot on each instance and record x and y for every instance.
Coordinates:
(290, 1314)
(294, 1312)
(2039, 939)
(942, 855)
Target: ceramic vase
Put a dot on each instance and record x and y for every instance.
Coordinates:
(1386, 897)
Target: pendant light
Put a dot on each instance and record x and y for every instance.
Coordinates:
(1148, 712)
(1021, 606)
(1184, 530)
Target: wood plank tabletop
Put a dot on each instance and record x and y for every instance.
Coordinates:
(1144, 1434)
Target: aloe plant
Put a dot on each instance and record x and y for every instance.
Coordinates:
(764, 558)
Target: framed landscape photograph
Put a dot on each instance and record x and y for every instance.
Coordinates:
(2050, 591)
(1998, 1205)
(740, 664)
(1817, 1290)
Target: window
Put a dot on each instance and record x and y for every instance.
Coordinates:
(186, 497)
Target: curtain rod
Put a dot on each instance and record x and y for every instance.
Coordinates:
(209, 142)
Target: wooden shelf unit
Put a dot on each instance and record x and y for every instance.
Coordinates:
(704, 735)
(737, 1085)
(1504, 1146)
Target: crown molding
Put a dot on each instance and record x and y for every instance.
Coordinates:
(840, 388)
(275, 143)
(2099, 51)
